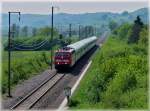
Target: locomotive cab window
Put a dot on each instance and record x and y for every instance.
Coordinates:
(64, 54)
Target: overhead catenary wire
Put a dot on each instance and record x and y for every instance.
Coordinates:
(34, 48)
(29, 46)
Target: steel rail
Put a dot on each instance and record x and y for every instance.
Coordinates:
(18, 104)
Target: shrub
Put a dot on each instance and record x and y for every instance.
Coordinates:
(24, 65)
(117, 77)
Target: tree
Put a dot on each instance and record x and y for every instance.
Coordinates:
(34, 32)
(15, 29)
(113, 25)
(144, 36)
(135, 34)
(125, 13)
(123, 31)
(86, 31)
(60, 36)
(46, 31)
(25, 31)
(90, 31)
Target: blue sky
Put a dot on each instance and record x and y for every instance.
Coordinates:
(72, 7)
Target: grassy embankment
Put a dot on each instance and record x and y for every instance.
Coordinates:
(24, 64)
(118, 76)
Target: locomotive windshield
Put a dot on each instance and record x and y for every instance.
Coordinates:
(62, 54)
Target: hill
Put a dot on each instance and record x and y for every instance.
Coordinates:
(99, 19)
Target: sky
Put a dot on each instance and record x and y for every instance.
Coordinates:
(71, 7)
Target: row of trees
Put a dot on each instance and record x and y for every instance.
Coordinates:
(85, 31)
(28, 31)
(23, 31)
(133, 36)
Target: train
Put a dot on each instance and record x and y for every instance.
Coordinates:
(70, 54)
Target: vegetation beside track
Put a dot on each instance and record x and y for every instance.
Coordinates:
(118, 76)
(24, 64)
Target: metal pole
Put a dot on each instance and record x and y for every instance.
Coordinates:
(85, 31)
(60, 28)
(95, 30)
(9, 59)
(68, 100)
(52, 40)
(79, 32)
(9, 54)
(70, 30)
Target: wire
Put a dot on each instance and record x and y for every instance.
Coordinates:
(29, 46)
(34, 48)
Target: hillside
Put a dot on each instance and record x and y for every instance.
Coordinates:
(99, 18)
(118, 75)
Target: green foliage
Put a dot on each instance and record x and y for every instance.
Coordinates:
(24, 31)
(24, 65)
(117, 78)
(34, 32)
(113, 25)
(136, 29)
(15, 28)
(38, 36)
(86, 31)
(46, 31)
(123, 31)
(144, 36)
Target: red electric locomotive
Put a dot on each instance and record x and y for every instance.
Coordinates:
(69, 55)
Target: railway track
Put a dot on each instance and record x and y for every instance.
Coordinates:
(34, 96)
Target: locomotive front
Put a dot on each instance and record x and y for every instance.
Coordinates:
(62, 58)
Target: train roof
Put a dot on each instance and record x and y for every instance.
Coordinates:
(81, 43)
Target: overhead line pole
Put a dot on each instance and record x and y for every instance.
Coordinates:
(9, 59)
(9, 54)
(70, 30)
(52, 39)
(79, 32)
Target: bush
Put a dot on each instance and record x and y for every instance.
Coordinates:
(117, 77)
(24, 65)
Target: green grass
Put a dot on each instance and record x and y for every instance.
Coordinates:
(116, 79)
(24, 64)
